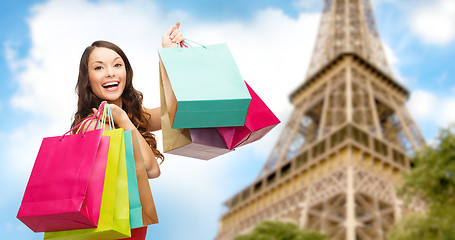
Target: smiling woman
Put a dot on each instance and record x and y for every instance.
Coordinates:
(105, 74)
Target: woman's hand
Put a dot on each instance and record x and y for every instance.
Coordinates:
(172, 37)
(120, 117)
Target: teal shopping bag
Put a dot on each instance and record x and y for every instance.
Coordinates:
(203, 87)
(133, 189)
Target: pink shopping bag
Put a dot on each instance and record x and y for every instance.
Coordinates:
(66, 183)
(259, 121)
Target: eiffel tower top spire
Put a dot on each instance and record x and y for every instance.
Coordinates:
(347, 26)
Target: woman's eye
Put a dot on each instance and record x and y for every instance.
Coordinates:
(98, 68)
(118, 65)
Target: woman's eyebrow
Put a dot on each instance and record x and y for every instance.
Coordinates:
(98, 61)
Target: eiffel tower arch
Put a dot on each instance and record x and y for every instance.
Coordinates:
(347, 142)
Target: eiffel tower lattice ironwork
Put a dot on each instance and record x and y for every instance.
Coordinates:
(346, 144)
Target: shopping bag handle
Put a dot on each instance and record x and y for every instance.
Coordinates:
(185, 44)
(89, 119)
(107, 113)
(96, 116)
(82, 127)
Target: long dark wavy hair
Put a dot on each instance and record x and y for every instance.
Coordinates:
(131, 98)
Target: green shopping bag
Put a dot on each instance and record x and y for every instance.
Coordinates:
(206, 86)
(114, 222)
(133, 189)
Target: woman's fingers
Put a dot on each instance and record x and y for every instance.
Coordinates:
(169, 31)
(176, 33)
(172, 36)
(179, 38)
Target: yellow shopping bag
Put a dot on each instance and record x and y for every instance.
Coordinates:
(114, 220)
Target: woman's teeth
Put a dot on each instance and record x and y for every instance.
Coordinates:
(111, 84)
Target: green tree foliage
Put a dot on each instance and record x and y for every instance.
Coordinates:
(433, 180)
(274, 230)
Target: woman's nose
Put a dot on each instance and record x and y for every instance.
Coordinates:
(110, 72)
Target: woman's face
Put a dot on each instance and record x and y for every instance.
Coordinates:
(107, 75)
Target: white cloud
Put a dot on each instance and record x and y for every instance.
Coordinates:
(390, 55)
(11, 55)
(28, 137)
(434, 21)
(447, 112)
(394, 64)
(425, 106)
(422, 104)
(272, 51)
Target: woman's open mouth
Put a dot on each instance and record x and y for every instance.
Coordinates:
(111, 86)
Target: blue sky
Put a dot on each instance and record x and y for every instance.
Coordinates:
(41, 43)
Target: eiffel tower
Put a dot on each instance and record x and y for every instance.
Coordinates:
(335, 166)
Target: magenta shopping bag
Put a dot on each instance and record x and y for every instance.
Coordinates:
(66, 183)
(259, 121)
